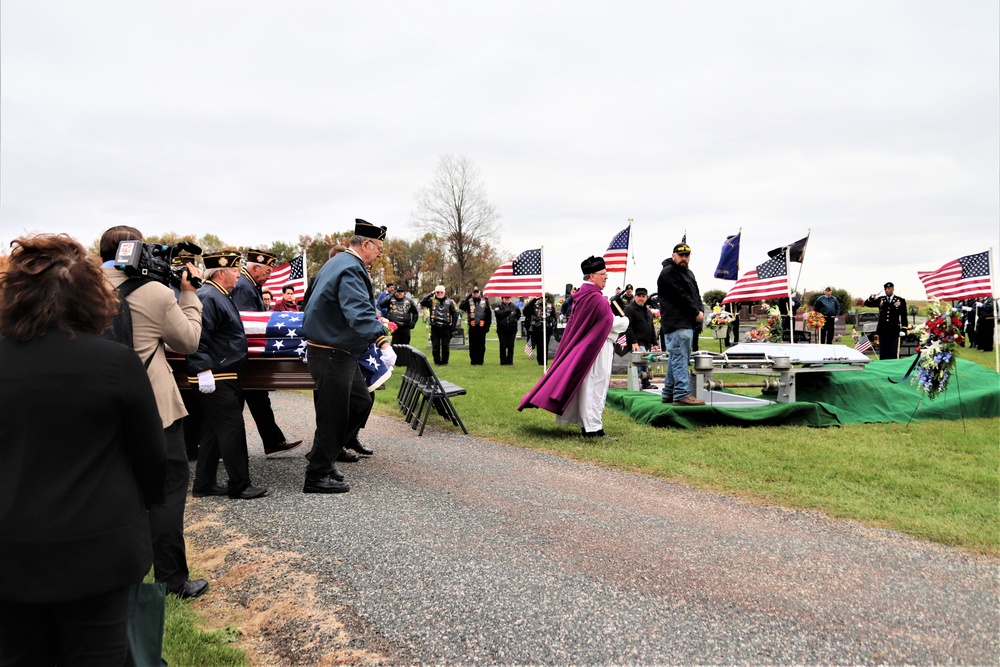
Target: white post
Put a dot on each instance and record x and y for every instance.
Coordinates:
(545, 313)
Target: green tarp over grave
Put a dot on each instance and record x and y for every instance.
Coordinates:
(830, 399)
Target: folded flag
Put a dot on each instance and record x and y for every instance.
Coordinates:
(373, 370)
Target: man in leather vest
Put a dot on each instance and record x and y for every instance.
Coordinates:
(480, 318)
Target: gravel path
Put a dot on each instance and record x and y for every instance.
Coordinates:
(451, 550)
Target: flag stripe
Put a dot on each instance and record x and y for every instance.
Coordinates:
(863, 345)
(521, 276)
(290, 273)
(616, 258)
(962, 278)
(752, 287)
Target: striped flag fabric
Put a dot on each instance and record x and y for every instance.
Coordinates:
(622, 340)
(863, 345)
(274, 334)
(616, 257)
(521, 276)
(290, 273)
(964, 278)
(767, 281)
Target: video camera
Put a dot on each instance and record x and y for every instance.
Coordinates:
(153, 260)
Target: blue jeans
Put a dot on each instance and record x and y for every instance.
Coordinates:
(677, 384)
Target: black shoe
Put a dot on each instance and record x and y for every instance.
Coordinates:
(347, 456)
(325, 484)
(282, 447)
(214, 490)
(360, 449)
(595, 435)
(191, 588)
(249, 493)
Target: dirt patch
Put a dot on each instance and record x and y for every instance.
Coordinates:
(273, 601)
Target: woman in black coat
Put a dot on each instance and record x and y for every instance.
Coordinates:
(82, 454)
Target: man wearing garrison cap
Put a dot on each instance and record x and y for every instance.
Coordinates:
(341, 322)
(247, 295)
(576, 386)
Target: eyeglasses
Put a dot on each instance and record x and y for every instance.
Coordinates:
(377, 245)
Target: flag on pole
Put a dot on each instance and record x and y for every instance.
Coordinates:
(290, 273)
(729, 260)
(521, 276)
(863, 345)
(767, 281)
(616, 258)
(796, 251)
(963, 278)
(528, 349)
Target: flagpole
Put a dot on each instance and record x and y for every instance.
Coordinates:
(545, 313)
(788, 287)
(996, 333)
(631, 246)
(808, 233)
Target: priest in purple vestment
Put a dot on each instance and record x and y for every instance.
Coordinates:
(576, 385)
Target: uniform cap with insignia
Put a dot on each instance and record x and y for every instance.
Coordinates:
(887, 286)
(261, 257)
(368, 230)
(682, 249)
(223, 259)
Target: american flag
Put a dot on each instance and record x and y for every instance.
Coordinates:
(622, 341)
(521, 276)
(616, 258)
(290, 273)
(768, 281)
(271, 334)
(863, 345)
(963, 278)
(528, 349)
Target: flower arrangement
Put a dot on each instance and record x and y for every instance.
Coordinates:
(815, 319)
(770, 330)
(719, 318)
(940, 337)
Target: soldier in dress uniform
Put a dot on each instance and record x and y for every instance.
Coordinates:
(892, 322)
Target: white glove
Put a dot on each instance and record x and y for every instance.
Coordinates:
(388, 356)
(902, 334)
(206, 382)
(835, 320)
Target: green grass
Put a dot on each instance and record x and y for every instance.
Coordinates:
(185, 642)
(938, 481)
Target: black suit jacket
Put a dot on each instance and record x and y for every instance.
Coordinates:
(82, 454)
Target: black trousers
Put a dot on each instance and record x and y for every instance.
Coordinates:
(342, 403)
(888, 344)
(166, 521)
(259, 402)
(401, 336)
(192, 423)
(86, 632)
(441, 345)
(223, 434)
(477, 345)
(507, 347)
(826, 333)
(536, 342)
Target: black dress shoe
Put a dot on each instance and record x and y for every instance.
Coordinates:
(598, 435)
(325, 484)
(191, 588)
(336, 474)
(359, 448)
(249, 493)
(347, 456)
(214, 490)
(282, 447)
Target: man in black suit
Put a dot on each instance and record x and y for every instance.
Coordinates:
(892, 322)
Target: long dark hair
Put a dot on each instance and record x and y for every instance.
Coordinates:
(49, 283)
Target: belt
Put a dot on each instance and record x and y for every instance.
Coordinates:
(327, 347)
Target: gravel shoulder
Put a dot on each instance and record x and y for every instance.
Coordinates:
(453, 550)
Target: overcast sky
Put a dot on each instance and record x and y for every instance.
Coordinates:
(873, 124)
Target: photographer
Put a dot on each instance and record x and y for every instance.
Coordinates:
(158, 317)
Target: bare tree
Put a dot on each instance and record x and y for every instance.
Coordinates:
(455, 208)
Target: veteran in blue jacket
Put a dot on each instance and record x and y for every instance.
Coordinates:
(341, 321)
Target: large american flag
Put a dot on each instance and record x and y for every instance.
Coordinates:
(521, 276)
(290, 273)
(963, 278)
(767, 281)
(616, 258)
(274, 334)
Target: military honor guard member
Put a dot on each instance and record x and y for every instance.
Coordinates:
(892, 322)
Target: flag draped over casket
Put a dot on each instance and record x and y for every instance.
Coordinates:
(274, 334)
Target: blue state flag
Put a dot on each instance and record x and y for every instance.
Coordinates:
(729, 261)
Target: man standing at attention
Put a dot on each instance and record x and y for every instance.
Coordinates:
(341, 321)
(576, 386)
(680, 312)
(247, 297)
(443, 316)
(892, 321)
(401, 311)
(507, 315)
(480, 319)
(829, 307)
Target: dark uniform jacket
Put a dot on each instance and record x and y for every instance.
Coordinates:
(480, 315)
(223, 345)
(507, 315)
(534, 317)
(891, 315)
(247, 294)
(640, 328)
(443, 313)
(680, 299)
(403, 312)
(341, 310)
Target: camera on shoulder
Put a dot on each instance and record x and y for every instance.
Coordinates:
(154, 261)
